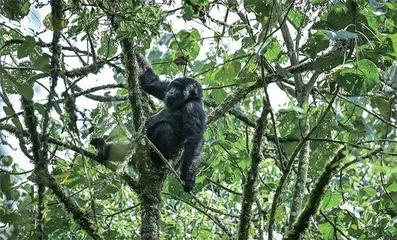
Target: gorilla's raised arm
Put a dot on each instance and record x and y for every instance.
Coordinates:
(150, 81)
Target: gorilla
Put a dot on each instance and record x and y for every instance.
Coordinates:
(180, 124)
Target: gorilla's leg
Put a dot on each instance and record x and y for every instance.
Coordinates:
(164, 137)
(115, 151)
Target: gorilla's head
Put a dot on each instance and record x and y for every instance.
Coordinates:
(182, 90)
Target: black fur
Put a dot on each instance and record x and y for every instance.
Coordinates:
(180, 124)
(103, 149)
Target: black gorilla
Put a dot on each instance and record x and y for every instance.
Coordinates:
(180, 124)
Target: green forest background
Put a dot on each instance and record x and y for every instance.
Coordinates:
(301, 104)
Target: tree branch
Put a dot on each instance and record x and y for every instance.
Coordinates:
(252, 175)
(302, 222)
(288, 168)
(78, 215)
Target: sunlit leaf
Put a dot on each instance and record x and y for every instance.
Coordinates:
(392, 187)
(61, 178)
(331, 200)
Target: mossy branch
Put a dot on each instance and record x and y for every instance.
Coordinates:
(78, 215)
(249, 193)
(313, 203)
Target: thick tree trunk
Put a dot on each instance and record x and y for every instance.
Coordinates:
(300, 185)
(150, 215)
(151, 182)
(303, 160)
(249, 193)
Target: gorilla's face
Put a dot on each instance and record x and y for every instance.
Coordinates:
(174, 97)
(180, 90)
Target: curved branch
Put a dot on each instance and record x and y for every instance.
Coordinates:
(213, 218)
(302, 222)
(334, 58)
(78, 215)
(253, 173)
(288, 168)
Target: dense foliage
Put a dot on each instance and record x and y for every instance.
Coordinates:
(301, 105)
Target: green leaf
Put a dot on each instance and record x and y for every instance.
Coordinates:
(26, 48)
(392, 187)
(43, 62)
(317, 42)
(40, 108)
(200, 179)
(17, 123)
(331, 200)
(108, 46)
(188, 43)
(206, 67)
(232, 137)
(338, 18)
(188, 13)
(175, 187)
(14, 9)
(326, 63)
(370, 191)
(390, 5)
(261, 8)
(390, 45)
(297, 18)
(6, 161)
(25, 90)
(9, 111)
(108, 191)
(319, 2)
(228, 73)
(273, 51)
(220, 95)
(280, 213)
(360, 79)
(5, 181)
(326, 230)
(14, 195)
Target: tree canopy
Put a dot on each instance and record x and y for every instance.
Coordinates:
(301, 110)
